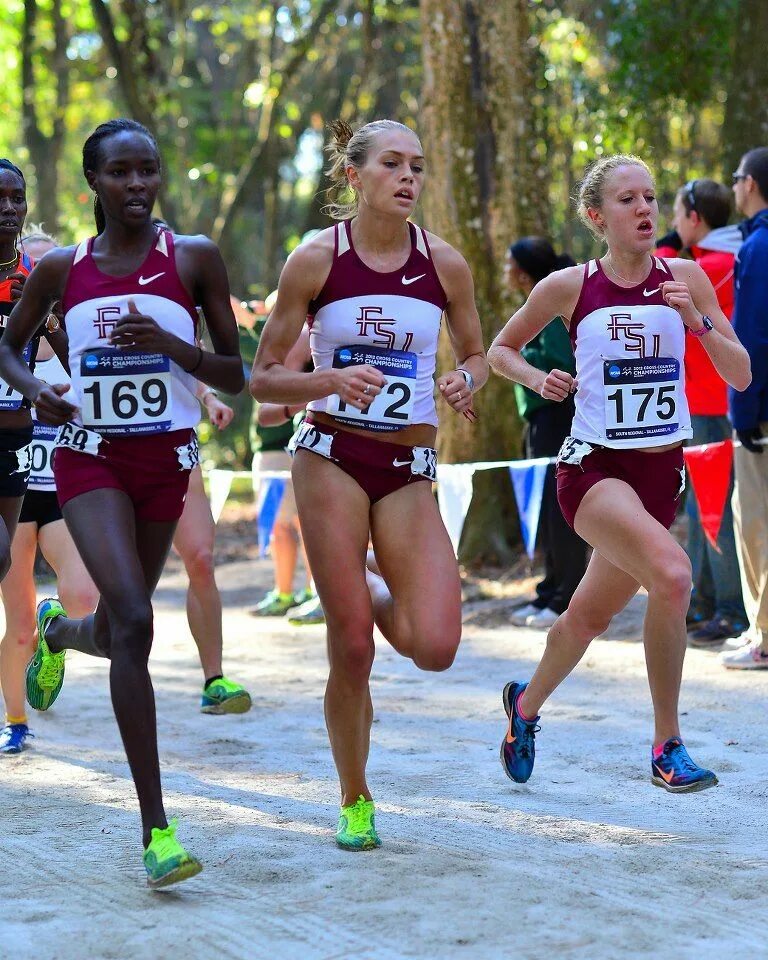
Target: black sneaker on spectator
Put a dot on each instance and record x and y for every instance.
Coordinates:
(712, 634)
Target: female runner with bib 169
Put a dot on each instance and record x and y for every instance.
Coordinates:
(621, 471)
(375, 287)
(127, 441)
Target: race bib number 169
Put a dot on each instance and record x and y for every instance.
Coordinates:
(125, 393)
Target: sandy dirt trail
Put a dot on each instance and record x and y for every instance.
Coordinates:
(587, 860)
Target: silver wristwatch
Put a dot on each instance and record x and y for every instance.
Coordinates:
(468, 377)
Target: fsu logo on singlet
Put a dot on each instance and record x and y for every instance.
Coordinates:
(106, 319)
(634, 339)
(379, 330)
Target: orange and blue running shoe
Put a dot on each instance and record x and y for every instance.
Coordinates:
(518, 749)
(674, 770)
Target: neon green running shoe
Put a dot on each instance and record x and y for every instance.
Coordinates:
(45, 671)
(301, 596)
(224, 696)
(357, 826)
(166, 861)
(273, 605)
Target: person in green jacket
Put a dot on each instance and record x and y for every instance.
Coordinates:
(529, 260)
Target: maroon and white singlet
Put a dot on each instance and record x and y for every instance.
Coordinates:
(138, 410)
(388, 320)
(629, 346)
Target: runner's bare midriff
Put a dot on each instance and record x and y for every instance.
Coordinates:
(415, 435)
(662, 449)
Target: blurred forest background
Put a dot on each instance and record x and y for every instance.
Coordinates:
(512, 104)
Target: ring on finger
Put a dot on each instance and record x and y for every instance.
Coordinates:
(367, 389)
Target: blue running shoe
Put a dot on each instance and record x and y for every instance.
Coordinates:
(13, 737)
(518, 749)
(676, 772)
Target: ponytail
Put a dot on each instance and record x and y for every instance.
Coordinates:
(348, 147)
(536, 256)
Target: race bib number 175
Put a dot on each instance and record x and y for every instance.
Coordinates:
(641, 397)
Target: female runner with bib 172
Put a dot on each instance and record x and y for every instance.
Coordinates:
(620, 472)
(122, 467)
(375, 287)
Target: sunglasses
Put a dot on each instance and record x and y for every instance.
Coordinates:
(690, 193)
(735, 177)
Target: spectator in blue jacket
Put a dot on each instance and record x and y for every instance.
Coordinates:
(749, 409)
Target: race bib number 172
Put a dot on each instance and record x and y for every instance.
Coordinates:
(391, 409)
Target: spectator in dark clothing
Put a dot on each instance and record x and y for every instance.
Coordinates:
(565, 553)
(702, 209)
(749, 410)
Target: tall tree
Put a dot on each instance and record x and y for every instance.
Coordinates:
(746, 112)
(486, 188)
(45, 139)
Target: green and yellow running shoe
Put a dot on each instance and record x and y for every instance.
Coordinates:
(166, 861)
(357, 826)
(273, 605)
(45, 671)
(224, 696)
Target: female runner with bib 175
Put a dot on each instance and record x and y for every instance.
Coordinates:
(127, 441)
(375, 287)
(621, 471)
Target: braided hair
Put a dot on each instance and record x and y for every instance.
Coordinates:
(7, 165)
(92, 153)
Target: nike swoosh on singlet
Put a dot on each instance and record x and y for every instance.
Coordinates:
(650, 293)
(143, 281)
(406, 281)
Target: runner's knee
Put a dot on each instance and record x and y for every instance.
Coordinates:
(199, 564)
(78, 599)
(581, 622)
(22, 635)
(434, 647)
(670, 579)
(132, 630)
(435, 656)
(352, 654)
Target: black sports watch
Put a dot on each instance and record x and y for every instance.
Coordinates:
(708, 325)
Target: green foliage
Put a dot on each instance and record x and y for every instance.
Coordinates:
(241, 124)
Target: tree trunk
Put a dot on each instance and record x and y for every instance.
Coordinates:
(486, 189)
(746, 110)
(45, 149)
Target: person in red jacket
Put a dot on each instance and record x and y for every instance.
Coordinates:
(701, 211)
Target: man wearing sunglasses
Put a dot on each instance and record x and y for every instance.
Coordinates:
(749, 410)
(701, 211)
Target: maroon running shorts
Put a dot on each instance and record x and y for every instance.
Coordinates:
(377, 466)
(657, 478)
(146, 468)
